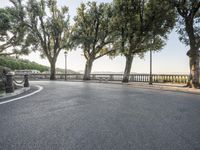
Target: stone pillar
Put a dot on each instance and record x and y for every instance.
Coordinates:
(132, 78)
(94, 77)
(26, 82)
(111, 78)
(9, 83)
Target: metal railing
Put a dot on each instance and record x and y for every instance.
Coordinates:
(157, 78)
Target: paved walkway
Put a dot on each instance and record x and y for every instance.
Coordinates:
(167, 86)
(15, 93)
(157, 86)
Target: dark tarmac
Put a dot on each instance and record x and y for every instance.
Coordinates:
(95, 116)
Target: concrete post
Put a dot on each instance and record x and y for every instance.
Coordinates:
(9, 83)
(93, 77)
(26, 82)
(111, 78)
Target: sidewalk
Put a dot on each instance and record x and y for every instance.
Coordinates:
(167, 87)
(158, 86)
(15, 93)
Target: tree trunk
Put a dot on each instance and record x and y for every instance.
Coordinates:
(88, 69)
(193, 54)
(129, 60)
(53, 70)
(194, 72)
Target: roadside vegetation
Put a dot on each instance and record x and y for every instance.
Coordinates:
(127, 28)
(20, 64)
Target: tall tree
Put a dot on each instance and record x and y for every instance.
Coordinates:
(12, 30)
(49, 29)
(189, 30)
(142, 26)
(93, 32)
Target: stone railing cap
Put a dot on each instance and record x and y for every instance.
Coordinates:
(10, 73)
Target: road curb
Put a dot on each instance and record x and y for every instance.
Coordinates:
(15, 93)
(15, 98)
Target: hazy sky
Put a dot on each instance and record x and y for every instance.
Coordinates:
(172, 58)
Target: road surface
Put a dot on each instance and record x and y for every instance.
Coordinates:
(92, 116)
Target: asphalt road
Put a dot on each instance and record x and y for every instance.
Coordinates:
(90, 116)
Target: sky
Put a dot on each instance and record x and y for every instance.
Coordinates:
(171, 59)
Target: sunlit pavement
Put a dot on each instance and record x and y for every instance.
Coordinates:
(166, 86)
(157, 86)
(93, 116)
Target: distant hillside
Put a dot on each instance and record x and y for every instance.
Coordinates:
(110, 72)
(59, 70)
(20, 64)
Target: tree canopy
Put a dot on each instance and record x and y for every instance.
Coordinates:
(92, 32)
(123, 27)
(12, 30)
(48, 29)
(141, 26)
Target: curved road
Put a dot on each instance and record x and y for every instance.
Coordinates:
(89, 116)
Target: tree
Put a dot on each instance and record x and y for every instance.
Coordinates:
(93, 33)
(142, 26)
(189, 30)
(48, 30)
(12, 30)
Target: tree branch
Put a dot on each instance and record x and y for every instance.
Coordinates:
(101, 55)
(194, 10)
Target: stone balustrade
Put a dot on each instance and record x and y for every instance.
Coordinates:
(157, 78)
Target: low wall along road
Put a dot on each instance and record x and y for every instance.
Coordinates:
(157, 78)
